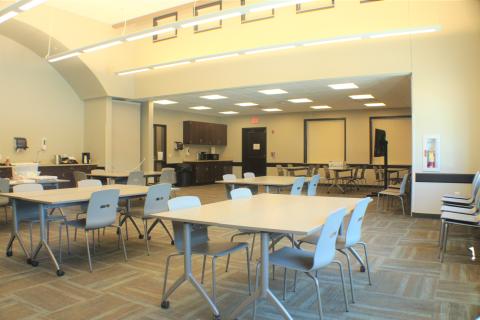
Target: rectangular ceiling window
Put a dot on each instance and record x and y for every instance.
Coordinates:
(315, 5)
(211, 7)
(163, 20)
(256, 16)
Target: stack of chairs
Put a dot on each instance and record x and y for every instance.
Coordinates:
(459, 210)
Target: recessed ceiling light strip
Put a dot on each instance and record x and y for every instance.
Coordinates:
(279, 47)
(14, 9)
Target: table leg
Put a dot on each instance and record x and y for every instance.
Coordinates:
(336, 184)
(43, 242)
(267, 189)
(15, 233)
(188, 275)
(263, 291)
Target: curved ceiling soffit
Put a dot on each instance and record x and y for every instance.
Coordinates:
(82, 80)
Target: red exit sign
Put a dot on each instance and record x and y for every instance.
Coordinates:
(254, 120)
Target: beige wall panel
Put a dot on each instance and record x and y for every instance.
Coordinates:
(36, 103)
(325, 141)
(125, 136)
(399, 137)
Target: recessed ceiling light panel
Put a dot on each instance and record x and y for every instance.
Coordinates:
(228, 112)
(272, 110)
(165, 102)
(200, 108)
(343, 86)
(300, 100)
(321, 107)
(213, 97)
(246, 104)
(375, 104)
(361, 96)
(273, 91)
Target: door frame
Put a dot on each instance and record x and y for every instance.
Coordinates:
(266, 144)
(164, 162)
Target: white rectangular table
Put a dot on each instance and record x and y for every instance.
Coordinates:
(54, 183)
(27, 204)
(265, 213)
(291, 170)
(266, 181)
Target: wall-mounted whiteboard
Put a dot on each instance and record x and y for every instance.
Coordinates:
(325, 140)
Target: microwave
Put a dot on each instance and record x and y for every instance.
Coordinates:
(212, 156)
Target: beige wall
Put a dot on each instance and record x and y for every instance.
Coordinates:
(36, 102)
(399, 136)
(285, 134)
(98, 130)
(174, 122)
(125, 136)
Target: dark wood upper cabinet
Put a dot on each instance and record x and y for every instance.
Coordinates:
(212, 134)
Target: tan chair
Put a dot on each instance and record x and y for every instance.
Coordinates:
(280, 170)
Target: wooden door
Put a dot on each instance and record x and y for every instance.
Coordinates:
(254, 150)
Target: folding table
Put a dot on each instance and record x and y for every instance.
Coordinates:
(266, 181)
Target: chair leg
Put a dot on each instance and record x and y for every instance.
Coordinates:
(68, 237)
(445, 240)
(294, 280)
(248, 272)
(349, 273)
(319, 299)
(257, 271)
(203, 269)
(378, 201)
(214, 279)
(440, 237)
(88, 252)
(166, 230)
(145, 237)
(93, 241)
(403, 206)
(364, 245)
(6, 214)
(253, 245)
(343, 283)
(120, 234)
(60, 243)
(273, 266)
(30, 228)
(284, 283)
(166, 274)
(228, 257)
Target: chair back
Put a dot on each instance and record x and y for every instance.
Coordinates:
(199, 233)
(168, 176)
(362, 172)
(136, 178)
(354, 230)
(403, 185)
(102, 208)
(229, 177)
(312, 185)
(325, 249)
(28, 187)
(240, 193)
(355, 173)
(4, 185)
(327, 172)
(79, 176)
(157, 198)
(280, 171)
(476, 184)
(249, 175)
(297, 186)
(89, 183)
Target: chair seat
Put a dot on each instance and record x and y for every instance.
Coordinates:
(292, 258)
(218, 249)
(391, 192)
(458, 209)
(3, 201)
(457, 201)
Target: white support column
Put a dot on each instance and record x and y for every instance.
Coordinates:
(146, 119)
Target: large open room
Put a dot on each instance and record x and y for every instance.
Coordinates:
(239, 159)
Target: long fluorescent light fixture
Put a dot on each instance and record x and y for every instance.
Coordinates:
(103, 46)
(281, 4)
(272, 48)
(210, 17)
(67, 56)
(14, 9)
(133, 71)
(403, 32)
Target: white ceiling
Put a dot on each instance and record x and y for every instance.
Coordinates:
(393, 90)
(114, 11)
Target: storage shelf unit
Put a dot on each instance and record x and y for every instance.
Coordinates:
(204, 133)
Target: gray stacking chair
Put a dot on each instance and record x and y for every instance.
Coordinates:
(34, 187)
(401, 194)
(309, 262)
(155, 202)
(79, 176)
(228, 187)
(4, 188)
(328, 175)
(101, 213)
(168, 176)
(85, 184)
(280, 170)
(312, 185)
(136, 178)
(251, 175)
(200, 244)
(297, 186)
(352, 237)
